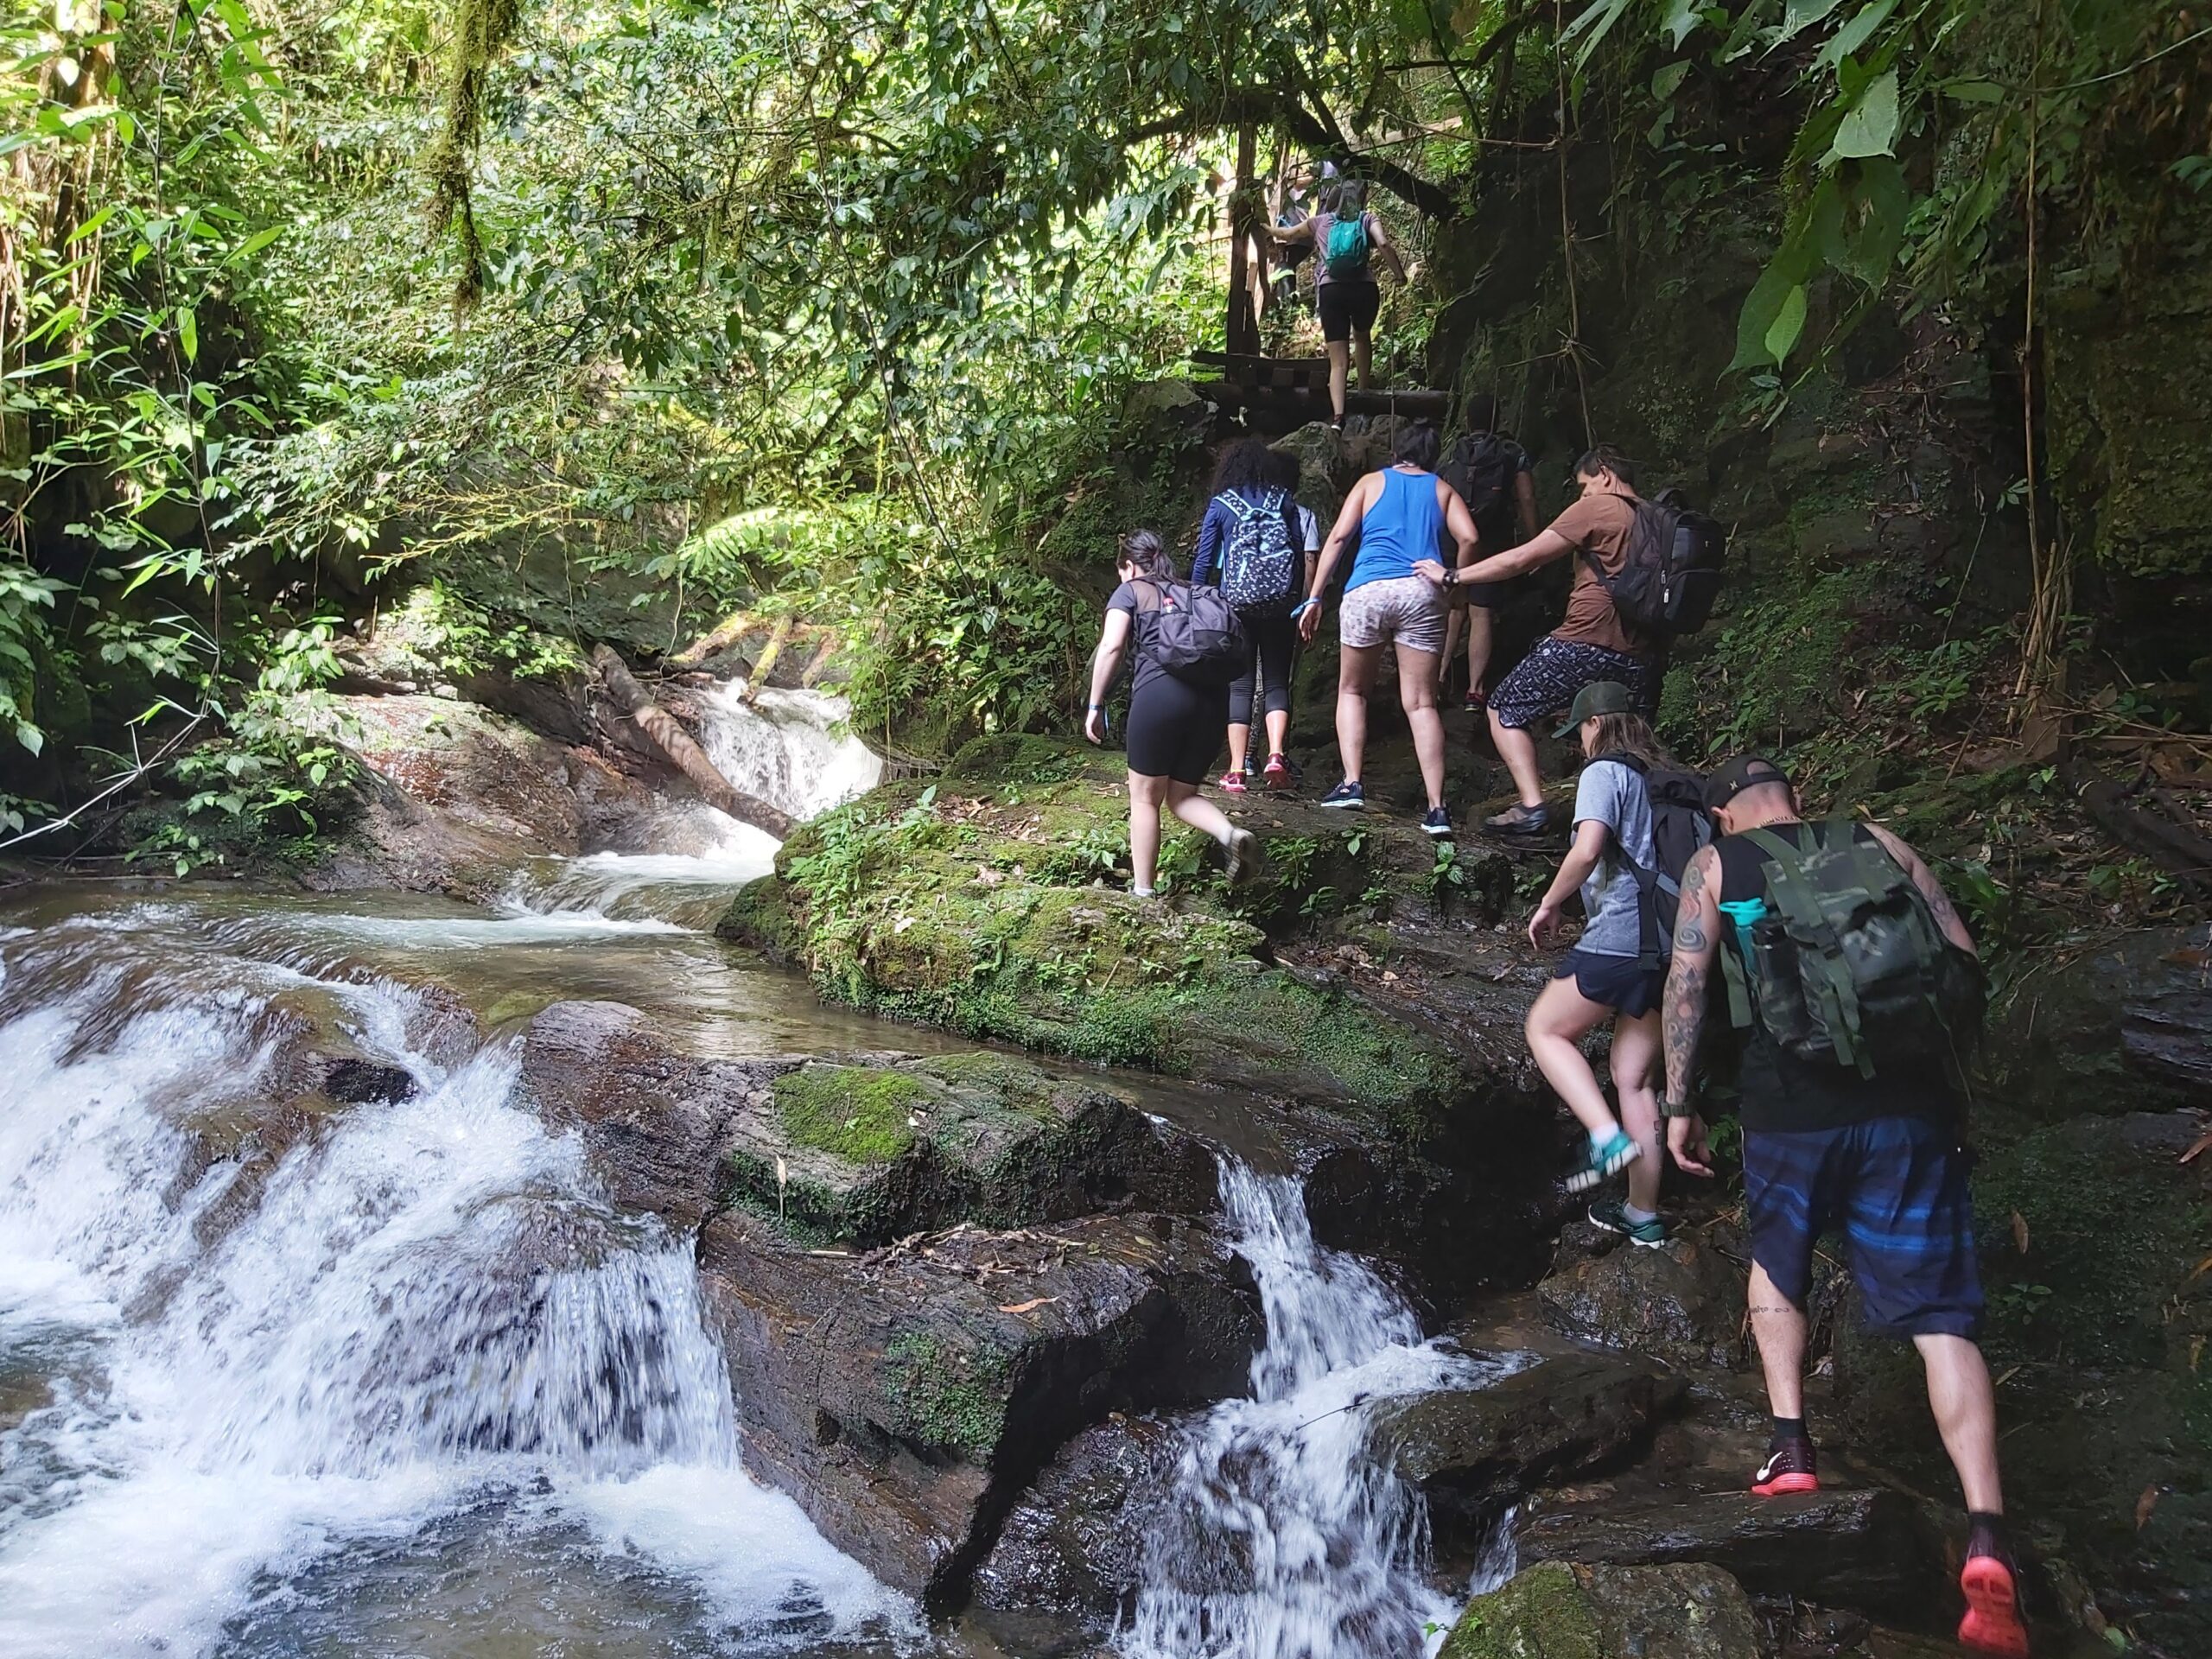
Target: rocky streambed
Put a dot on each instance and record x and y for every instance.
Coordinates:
(1174, 1279)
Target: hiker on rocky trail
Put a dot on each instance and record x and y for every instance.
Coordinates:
(1399, 514)
(1249, 546)
(1853, 1118)
(1496, 479)
(1591, 643)
(1346, 239)
(1175, 718)
(1617, 970)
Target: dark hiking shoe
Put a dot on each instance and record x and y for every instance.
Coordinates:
(1598, 1162)
(1247, 858)
(1520, 821)
(1611, 1215)
(1991, 1584)
(1347, 794)
(1437, 822)
(1789, 1467)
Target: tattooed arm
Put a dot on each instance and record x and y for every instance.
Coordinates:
(1697, 933)
(1939, 902)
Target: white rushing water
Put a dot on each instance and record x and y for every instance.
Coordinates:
(784, 747)
(419, 1330)
(1283, 1538)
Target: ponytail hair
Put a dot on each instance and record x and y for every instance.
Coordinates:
(1144, 550)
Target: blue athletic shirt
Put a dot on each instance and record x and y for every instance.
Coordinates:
(1403, 525)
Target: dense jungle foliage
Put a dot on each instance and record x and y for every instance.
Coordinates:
(834, 311)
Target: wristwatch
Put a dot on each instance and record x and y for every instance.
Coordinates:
(1675, 1107)
(1452, 577)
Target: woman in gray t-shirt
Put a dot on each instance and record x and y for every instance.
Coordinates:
(1604, 976)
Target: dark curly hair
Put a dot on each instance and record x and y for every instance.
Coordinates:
(1246, 468)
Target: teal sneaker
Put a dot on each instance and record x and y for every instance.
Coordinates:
(1611, 1215)
(1598, 1162)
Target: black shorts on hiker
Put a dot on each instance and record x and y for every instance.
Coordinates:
(1896, 1189)
(1621, 983)
(1346, 306)
(1545, 681)
(1176, 729)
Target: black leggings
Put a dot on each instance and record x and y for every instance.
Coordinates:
(1274, 639)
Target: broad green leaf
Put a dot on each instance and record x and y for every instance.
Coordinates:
(1670, 77)
(29, 736)
(187, 333)
(1595, 23)
(1853, 35)
(1870, 126)
(91, 226)
(1680, 21)
(1800, 16)
(1784, 274)
(255, 243)
(1974, 92)
(1789, 323)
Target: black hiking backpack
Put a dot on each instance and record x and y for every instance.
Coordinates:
(1676, 559)
(1680, 828)
(1259, 560)
(1482, 467)
(1847, 965)
(1196, 634)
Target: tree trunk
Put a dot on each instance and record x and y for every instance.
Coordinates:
(684, 755)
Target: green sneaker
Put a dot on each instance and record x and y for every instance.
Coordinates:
(1598, 1162)
(1611, 1215)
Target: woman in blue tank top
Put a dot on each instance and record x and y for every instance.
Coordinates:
(1402, 516)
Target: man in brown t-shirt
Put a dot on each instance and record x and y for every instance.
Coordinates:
(1591, 644)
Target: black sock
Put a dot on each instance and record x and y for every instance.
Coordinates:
(1986, 1534)
(1788, 1428)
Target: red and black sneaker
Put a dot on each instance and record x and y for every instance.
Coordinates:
(1993, 1623)
(1789, 1467)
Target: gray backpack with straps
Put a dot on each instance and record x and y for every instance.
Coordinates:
(1847, 966)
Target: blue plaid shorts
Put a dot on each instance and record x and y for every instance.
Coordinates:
(1896, 1189)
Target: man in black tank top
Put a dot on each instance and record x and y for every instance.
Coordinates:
(1876, 1159)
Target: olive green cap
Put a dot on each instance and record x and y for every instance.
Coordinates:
(1603, 697)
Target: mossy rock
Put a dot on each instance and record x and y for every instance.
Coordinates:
(869, 1153)
(988, 903)
(1553, 1610)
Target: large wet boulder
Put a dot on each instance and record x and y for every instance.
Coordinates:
(1468, 1449)
(1865, 1548)
(2126, 1028)
(992, 902)
(906, 1397)
(1682, 1302)
(1553, 1610)
(1070, 1554)
(861, 1150)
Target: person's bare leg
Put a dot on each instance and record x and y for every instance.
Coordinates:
(1451, 648)
(1417, 697)
(1144, 829)
(1363, 351)
(1195, 809)
(1340, 370)
(1355, 674)
(1518, 750)
(1479, 638)
(1278, 730)
(1240, 739)
(1965, 1405)
(1556, 1025)
(1634, 1062)
(1780, 1328)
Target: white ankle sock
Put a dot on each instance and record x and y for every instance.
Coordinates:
(1141, 893)
(1638, 1216)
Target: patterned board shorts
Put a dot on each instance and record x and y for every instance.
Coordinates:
(1545, 680)
(1896, 1189)
(1407, 609)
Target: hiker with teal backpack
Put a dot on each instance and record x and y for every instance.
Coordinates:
(1248, 546)
(1187, 645)
(1346, 239)
(1856, 982)
(1633, 834)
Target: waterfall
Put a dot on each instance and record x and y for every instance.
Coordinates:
(782, 747)
(1282, 1538)
(220, 1373)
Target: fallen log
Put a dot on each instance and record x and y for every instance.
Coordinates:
(683, 752)
(765, 664)
(723, 636)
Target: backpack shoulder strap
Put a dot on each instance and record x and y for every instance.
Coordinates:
(1800, 906)
(1237, 505)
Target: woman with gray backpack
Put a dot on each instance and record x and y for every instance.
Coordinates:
(1248, 546)
(1186, 645)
